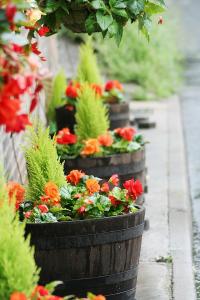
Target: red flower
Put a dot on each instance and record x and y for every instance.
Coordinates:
(113, 84)
(33, 105)
(72, 90)
(18, 124)
(114, 179)
(43, 31)
(43, 208)
(34, 48)
(69, 107)
(160, 21)
(41, 291)
(17, 48)
(81, 210)
(114, 201)
(134, 188)
(74, 177)
(28, 214)
(10, 12)
(64, 137)
(127, 133)
(8, 109)
(105, 187)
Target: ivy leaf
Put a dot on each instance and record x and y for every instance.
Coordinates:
(103, 20)
(152, 8)
(98, 4)
(90, 24)
(136, 7)
(120, 12)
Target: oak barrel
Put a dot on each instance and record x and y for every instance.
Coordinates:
(97, 255)
(65, 118)
(119, 115)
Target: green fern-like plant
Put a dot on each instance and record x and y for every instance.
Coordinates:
(18, 271)
(54, 94)
(88, 70)
(43, 164)
(91, 115)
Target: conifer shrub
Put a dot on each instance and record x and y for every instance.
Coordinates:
(88, 70)
(43, 164)
(54, 95)
(91, 115)
(18, 271)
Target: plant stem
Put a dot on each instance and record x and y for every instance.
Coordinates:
(15, 156)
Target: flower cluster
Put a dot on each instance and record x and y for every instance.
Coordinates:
(19, 74)
(120, 140)
(82, 197)
(45, 293)
(111, 92)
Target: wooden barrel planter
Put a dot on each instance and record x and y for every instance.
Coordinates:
(65, 118)
(126, 165)
(119, 114)
(97, 255)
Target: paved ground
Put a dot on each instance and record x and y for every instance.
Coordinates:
(168, 209)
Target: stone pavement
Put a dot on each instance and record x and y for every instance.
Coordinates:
(167, 208)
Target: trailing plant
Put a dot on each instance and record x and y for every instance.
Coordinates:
(83, 197)
(55, 99)
(88, 70)
(42, 162)
(108, 17)
(154, 66)
(91, 115)
(18, 271)
(121, 140)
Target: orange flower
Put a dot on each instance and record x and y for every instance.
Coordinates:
(51, 190)
(74, 176)
(105, 140)
(92, 185)
(99, 297)
(18, 296)
(91, 147)
(98, 89)
(16, 191)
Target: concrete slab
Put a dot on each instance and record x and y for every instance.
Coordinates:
(168, 209)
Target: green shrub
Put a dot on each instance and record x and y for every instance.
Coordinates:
(91, 115)
(42, 162)
(18, 271)
(88, 70)
(155, 66)
(54, 94)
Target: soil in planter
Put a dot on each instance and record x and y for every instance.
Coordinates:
(126, 165)
(118, 116)
(99, 255)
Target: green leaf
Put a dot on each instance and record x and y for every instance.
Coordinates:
(103, 20)
(90, 24)
(136, 7)
(151, 8)
(119, 34)
(98, 4)
(120, 12)
(65, 193)
(133, 146)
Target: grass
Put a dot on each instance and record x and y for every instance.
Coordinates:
(154, 66)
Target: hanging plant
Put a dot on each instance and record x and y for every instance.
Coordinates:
(106, 16)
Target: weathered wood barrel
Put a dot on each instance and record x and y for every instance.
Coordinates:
(119, 114)
(126, 165)
(65, 118)
(97, 255)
